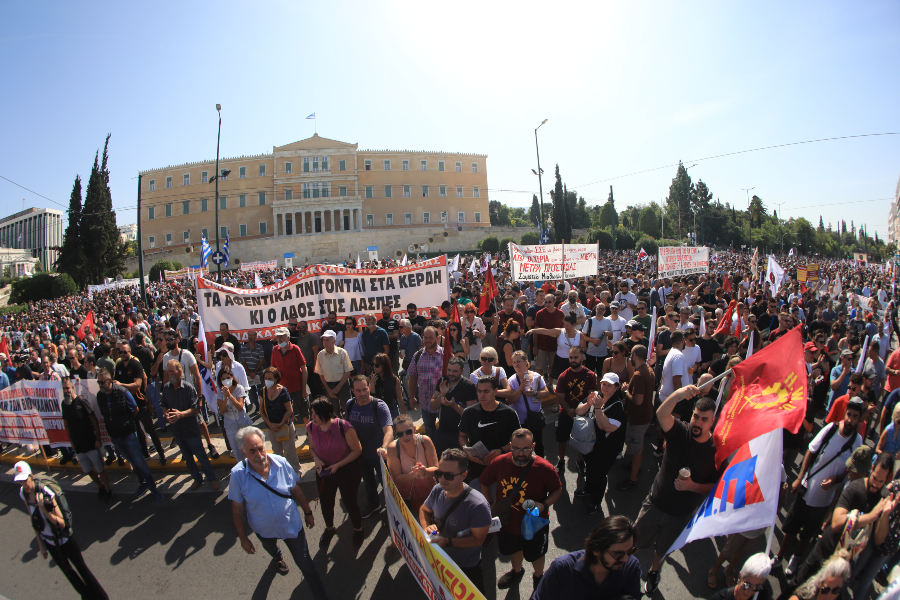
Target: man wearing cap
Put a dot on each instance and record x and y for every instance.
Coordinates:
(50, 530)
(840, 376)
(334, 367)
(637, 335)
(288, 359)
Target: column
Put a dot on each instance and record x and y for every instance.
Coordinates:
(358, 212)
(302, 222)
(331, 218)
(276, 217)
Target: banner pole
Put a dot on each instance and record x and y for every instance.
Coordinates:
(46, 460)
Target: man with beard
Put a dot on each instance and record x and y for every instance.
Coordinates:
(331, 324)
(523, 477)
(573, 387)
(686, 475)
(453, 395)
(309, 346)
(392, 327)
(83, 430)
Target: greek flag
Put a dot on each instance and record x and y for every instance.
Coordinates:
(312, 116)
(545, 236)
(205, 252)
(225, 249)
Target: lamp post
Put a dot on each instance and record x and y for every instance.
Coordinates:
(140, 248)
(782, 239)
(540, 181)
(749, 220)
(224, 173)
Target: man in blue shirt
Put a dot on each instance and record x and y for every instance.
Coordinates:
(840, 376)
(271, 506)
(371, 418)
(375, 340)
(4, 378)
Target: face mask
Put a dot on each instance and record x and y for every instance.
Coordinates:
(269, 383)
(227, 382)
(282, 345)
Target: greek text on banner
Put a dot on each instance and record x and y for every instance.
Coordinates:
(675, 261)
(553, 261)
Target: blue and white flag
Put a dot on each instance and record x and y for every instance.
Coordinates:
(225, 250)
(312, 116)
(205, 252)
(545, 236)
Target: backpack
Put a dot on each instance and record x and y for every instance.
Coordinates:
(583, 436)
(43, 481)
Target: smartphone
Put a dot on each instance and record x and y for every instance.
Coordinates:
(325, 473)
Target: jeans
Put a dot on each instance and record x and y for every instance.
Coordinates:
(129, 448)
(68, 557)
(254, 393)
(193, 447)
(371, 474)
(394, 410)
(428, 419)
(154, 399)
(865, 570)
(347, 481)
(299, 549)
(144, 419)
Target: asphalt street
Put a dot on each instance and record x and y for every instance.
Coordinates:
(187, 545)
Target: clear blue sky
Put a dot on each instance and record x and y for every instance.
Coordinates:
(626, 86)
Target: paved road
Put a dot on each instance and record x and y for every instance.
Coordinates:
(187, 546)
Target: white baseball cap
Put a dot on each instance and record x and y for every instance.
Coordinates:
(328, 333)
(23, 470)
(610, 378)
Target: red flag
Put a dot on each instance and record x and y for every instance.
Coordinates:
(87, 326)
(448, 347)
(768, 393)
(726, 285)
(737, 324)
(725, 324)
(488, 291)
(4, 348)
(803, 289)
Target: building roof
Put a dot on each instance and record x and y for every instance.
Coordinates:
(28, 211)
(315, 142)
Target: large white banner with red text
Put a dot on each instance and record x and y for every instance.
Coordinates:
(675, 261)
(318, 289)
(553, 261)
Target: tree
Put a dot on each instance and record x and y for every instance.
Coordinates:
(562, 228)
(701, 197)
(530, 238)
(534, 213)
(757, 211)
(649, 222)
(104, 256)
(499, 214)
(821, 224)
(156, 271)
(679, 198)
(71, 254)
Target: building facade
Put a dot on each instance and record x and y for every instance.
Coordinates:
(128, 232)
(37, 229)
(313, 186)
(894, 217)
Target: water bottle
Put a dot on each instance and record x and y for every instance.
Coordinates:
(528, 505)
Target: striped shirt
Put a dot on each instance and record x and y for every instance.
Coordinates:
(428, 370)
(183, 397)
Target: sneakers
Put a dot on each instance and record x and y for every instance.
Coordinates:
(212, 452)
(660, 450)
(792, 567)
(371, 510)
(626, 484)
(593, 507)
(101, 494)
(140, 491)
(120, 461)
(652, 583)
(172, 444)
(582, 467)
(561, 465)
(327, 536)
(510, 579)
(65, 460)
(110, 459)
(282, 567)
(158, 496)
(108, 497)
(582, 493)
(195, 485)
(162, 460)
(359, 536)
(535, 580)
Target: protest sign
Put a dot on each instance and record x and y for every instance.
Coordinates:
(553, 261)
(262, 265)
(801, 274)
(675, 261)
(22, 427)
(861, 259)
(435, 572)
(312, 293)
(812, 272)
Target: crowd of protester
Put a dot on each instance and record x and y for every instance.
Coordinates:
(525, 364)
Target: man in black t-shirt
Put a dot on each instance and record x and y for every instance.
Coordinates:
(416, 321)
(675, 494)
(452, 395)
(488, 422)
(226, 336)
(130, 375)
(83, 430)
(331, 324)
(392, 327)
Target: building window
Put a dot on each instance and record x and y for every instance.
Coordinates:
(168, 182)
(287, 168)
(342, 191)
(407, 218)
(387, 165)
(315, 161)
(368, 165)
(204, 204)
(262, 172)
(474, 167)
(406, 165)
(242, 201)
(369, 191)
(388, 192)
(315, 189)
(476, 192)
(342, 165)
(424, 191)
(458, 167)
(459, 191)
(243, 230)
(443, 191)
(461, 217)
(288, 225)
(478, 217)
(407, 191)
(204, 177)
(370, 220)
(443, 217)
(168, 210)
(186, 236)
(186, 179)
(389, 219)
(289, 194)
(242, 173)
(306, 164)
(222, 203)
(168, 239)
(426, 218)
(324, 163)
(326, 189)
(152, 185)
(263, 228)
(440, 165)
(152, 242)
(205, 233)
(151, 213)
(424, 165)
(262, 198)
(186, 207)
(223, 232)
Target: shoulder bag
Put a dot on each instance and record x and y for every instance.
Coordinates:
(583, 436)
(442, 521)
(263, 483)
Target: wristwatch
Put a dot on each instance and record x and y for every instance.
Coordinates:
(308, 514)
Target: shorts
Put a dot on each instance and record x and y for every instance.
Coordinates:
(804, 521)
(560, 364)
(654, 523)
(544, 360)
(301, 405)
(564, 426)
(594, 363)
(90, 461)
(533, 549)
(634, 438)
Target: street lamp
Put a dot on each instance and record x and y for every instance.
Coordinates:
(540, 181)
(216, 177)
(749, 220)
(782, 239)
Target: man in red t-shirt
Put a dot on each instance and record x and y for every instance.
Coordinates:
(541, 485)
(856, 388)
(892, 368)
(548, 317)
(509, 312)
(288, 359)
(573, 388)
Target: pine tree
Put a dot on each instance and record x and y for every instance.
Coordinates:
(679, 199)
(71, 255)
(104, 252)
(821, 224)
(534, 213)
(559, 210)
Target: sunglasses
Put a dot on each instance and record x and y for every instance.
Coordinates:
(620, 554)
(487, 359)
(446, 475)
(409, 431)
(757, 588)
(831, 590)
(615, 353)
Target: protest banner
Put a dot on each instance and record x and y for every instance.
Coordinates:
(801, 273)
(312, 293)
(114, 285)
(861, 259)
(812, 272)
(552, 262)
(435, 572)
(185, 273)
(675, 261)
(262, 265)
(22, 427)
